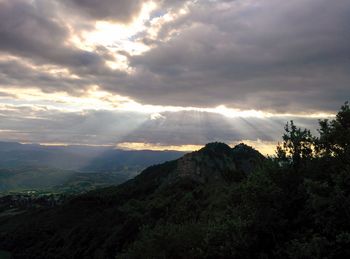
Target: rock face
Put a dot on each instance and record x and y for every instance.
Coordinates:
(217, 161)
(247, 158)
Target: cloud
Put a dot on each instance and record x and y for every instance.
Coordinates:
(38, 124)
(269, 55)
(278, 56)
(42, 125)
(114, 10)
(30, 31)
(16, 73)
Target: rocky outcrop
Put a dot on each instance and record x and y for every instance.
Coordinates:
(212, 163)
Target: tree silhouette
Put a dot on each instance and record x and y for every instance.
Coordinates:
(297, 145)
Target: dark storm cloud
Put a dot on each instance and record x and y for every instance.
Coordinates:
(29, 30)
(270, 55)
(123, 11)
(115, 10)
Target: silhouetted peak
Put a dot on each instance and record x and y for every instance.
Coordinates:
(216, 147)
(208, 163)
(214, 162)
(242, 146)
(244, 151)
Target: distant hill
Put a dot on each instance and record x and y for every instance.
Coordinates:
(108, 222)
(71, 168)
(81, 158)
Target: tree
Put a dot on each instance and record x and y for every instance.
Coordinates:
(297, 145)
(334, 137)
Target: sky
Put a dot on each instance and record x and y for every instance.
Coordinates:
(167, 74)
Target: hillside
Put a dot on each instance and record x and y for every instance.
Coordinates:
(159, 193)
(80, 158)
(71, 169)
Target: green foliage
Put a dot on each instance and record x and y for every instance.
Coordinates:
(297, 145)
(335, 134)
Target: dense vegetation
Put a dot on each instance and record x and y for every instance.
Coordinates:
(239, 205)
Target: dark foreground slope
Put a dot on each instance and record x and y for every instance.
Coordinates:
(110, 222)
(215, 203)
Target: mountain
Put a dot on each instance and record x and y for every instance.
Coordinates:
(113, 221)
(217, 162)
(80, 158)
(114, 159)
(218, 202)
(71, 169)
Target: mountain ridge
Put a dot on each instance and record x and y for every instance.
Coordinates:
(117, 212)
(80, 158)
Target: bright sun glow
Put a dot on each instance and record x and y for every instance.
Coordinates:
(96, 99)
(117, 37)
(265, 147)
(123, 38)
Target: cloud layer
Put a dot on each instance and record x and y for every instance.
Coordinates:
(272, 56)
(33, 125)
(267, 55)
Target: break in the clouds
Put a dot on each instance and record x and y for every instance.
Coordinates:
(138, 69)
(133, 129)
